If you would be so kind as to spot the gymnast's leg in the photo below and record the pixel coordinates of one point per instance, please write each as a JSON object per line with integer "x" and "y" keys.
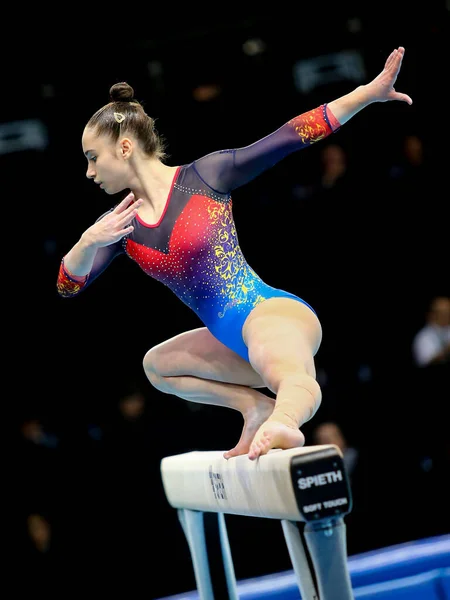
{"x": 282, "y": 336}
{"x": 195, "y": 366}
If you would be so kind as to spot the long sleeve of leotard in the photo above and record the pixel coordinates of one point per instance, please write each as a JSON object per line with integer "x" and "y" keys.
{"x": 226, "y": 170}
{"x": 69, "y": 285}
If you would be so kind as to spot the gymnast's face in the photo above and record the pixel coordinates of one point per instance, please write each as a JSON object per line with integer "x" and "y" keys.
{"x": 107, "y": 161}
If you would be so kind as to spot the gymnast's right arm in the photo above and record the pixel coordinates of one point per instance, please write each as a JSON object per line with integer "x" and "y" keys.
{"x": 95, "y": 249}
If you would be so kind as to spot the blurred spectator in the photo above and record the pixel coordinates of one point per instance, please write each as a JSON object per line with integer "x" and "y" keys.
{"x": 414, "y": 180}
{"x": 40, "y": 561}
{"x": 429, "y": 393}
{"x": 413, "y": 173}
{"x": 122, "y": 481}
{"x": 361, "y": 519}
{"x": 39, "y": 533}
{"x": 330, "y": 174}
{"x": 331, "y": 433}
{"x": 334, "y": 166}
{"x": 38, "y": 458}
{"x": 132, "y": 406}
{"x": 33, "y": 432}
{"x": 431, "y": 344}
{"x": 127, "y": 433}
{"x": 412, "y": 158}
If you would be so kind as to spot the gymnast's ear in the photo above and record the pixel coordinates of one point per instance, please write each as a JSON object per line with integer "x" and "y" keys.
{"x": 126, "y": 146}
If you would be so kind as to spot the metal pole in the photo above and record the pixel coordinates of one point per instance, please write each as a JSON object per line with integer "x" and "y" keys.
{"x": 194, "y": 530}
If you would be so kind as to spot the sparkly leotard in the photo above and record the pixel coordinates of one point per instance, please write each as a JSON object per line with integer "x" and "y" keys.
{"x": 194, "y": 248}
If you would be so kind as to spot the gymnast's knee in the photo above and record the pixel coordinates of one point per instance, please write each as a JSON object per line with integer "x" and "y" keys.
{"x": 152, "y": 371}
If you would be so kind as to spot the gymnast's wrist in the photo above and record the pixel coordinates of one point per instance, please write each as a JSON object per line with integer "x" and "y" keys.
{"x": 363, "y": 96}
{"x": 73, "y": 276}
{"x": 369, "y": 94}
{"x": 87, "y": 241}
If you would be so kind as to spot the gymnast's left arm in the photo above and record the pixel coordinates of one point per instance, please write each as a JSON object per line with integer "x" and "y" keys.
{"x": 228, "y": 169}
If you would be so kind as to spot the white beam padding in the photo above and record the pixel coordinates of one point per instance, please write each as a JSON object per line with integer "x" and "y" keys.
{"x": 299, "y": 484}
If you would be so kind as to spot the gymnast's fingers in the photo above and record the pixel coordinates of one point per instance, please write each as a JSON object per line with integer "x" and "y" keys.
{"x": 389, "y": 60}
{"x": 126, "y": 231}
{"x": 398, "y": 58}
{"x": 132, "y": 209}
{"x": 124, "y": 203}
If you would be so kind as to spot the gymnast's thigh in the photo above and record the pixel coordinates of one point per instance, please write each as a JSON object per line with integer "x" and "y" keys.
{"x": 283, "y": 336}
{"x": 197, "y": 353}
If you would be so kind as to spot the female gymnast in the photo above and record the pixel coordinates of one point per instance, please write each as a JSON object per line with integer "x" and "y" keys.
{"x": 177, "y": 224}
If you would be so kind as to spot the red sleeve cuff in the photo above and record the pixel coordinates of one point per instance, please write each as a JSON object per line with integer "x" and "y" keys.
{"x": 314, "y": 125}
{"x": 67, "y": 284}
{"x": 334, "y": 123}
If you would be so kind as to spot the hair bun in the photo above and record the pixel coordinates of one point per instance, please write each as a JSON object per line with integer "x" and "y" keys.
{"x": 121, "y": 92}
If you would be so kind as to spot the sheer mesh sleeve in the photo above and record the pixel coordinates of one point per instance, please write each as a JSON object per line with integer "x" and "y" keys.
{"x": 226, "y": 170}
{"x": 68, "y": 286}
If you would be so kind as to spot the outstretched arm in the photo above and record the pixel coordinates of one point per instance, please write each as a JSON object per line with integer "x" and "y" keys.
{"x": 380, "y": 89}
{"x": 227, "y": 170}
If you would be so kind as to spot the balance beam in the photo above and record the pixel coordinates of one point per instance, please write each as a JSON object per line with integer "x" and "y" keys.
{"x": 307, "y": 486}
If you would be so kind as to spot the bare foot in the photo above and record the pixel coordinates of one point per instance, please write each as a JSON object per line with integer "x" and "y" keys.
{"x": 253, "y": 419}
{"x": 274, "y": 435}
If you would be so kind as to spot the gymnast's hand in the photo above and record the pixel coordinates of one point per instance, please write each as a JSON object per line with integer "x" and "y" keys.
{"x": 114, "y": 225}
{"x": 381, "y": 89}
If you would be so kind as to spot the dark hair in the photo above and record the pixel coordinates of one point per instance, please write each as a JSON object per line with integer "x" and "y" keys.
{"x": 125, "y": 114}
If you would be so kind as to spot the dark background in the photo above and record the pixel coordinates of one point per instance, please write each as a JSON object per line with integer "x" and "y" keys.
{"x": 368, "y": 256}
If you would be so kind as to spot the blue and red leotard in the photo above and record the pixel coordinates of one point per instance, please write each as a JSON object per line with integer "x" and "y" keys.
{"x": 194, "y": 248}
